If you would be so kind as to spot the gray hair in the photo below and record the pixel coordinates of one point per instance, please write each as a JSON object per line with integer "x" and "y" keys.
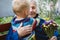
{"x": 35, "y": 3}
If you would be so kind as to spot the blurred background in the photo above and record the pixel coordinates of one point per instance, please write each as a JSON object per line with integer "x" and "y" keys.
{"x": 47, "y": 9}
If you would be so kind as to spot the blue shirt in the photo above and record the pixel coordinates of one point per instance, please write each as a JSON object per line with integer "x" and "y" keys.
{"x": 13, "y": 35}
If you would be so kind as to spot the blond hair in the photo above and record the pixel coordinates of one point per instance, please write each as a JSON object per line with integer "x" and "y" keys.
{"x": 20, "y": 5}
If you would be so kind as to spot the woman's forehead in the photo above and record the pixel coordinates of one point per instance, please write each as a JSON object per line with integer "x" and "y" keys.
{"x": 32, "y": 5}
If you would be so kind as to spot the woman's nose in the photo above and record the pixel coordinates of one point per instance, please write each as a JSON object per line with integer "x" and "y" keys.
{"x": 31, "y": 10}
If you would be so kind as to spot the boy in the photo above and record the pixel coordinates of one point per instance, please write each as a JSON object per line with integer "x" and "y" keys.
{"x": 21, "y": 9}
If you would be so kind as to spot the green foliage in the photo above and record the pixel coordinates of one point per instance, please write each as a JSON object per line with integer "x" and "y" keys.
{"x": 57, "y": 20}
{"x": 45, "y": 10}
{"x": 54, "y": 1}
{"x": 1, "y": 19}
{"x": 4, "y": 20}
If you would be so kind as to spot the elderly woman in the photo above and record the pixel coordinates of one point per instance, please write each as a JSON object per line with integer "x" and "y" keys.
{"x": 39, "y": 34}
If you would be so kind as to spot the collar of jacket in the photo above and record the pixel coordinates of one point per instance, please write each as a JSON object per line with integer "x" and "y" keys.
{"x": 19, "y": 21}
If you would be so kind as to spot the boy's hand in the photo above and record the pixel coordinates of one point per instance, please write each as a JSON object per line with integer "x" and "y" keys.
{"x": 53, "y": 38}
{"x": 23, "y": 31}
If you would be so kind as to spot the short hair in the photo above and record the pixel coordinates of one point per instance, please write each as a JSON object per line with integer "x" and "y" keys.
{"x": 19, "y": 5}
{"x": 34, "y": 2}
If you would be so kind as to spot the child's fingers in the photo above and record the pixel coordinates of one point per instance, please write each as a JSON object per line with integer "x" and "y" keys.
{"x": 28, "y": 32}
{"x": 28, "y": 27}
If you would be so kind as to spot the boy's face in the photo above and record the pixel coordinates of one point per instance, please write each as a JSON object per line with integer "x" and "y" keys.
{"x": 26, "y": 12}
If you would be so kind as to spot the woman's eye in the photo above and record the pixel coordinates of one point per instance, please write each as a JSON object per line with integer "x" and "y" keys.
{"x": 33, "y": 7}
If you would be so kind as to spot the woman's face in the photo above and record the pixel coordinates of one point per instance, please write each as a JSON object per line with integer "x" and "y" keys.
{"x": 33, "y": 9}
